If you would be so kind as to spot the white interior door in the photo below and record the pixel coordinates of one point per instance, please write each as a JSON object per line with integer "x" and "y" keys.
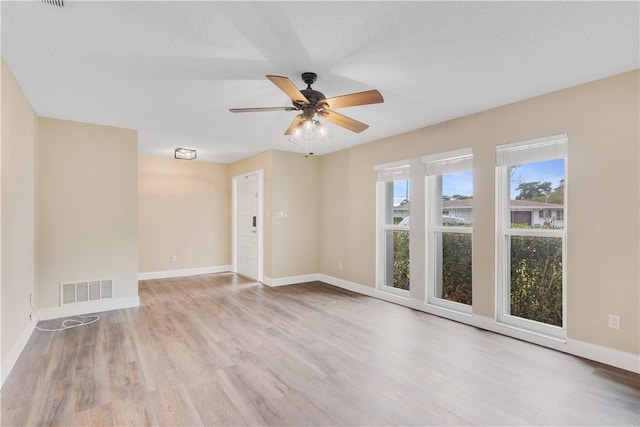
{"x": 248, "y": 225}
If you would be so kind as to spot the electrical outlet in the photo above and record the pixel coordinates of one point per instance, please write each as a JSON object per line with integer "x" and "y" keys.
{"x": 339, "y": 266}
{"x": 614, "y": 321}
{"x": 174, "y": 258}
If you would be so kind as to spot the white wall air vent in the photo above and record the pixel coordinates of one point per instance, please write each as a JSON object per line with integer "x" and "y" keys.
{"x": 85, "y": 291}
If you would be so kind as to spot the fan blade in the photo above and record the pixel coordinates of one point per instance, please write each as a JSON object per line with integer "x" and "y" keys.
{"x": 294, "y": 124}
{"x": 289, "y": 88}
{"x": 258, "y": 109}
{"x": 354, "y": 99}
{"x": 344, "y": 121}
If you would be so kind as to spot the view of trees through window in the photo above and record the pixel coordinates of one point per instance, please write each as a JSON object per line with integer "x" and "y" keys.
{"x": 456, "y": 267}
{"x": 536, "y": 189}
{"x": 401, "y": 273}
{"x": 453, "y": 247}
{"x": 536, "y": 278}
{"x": 398, "y": 273}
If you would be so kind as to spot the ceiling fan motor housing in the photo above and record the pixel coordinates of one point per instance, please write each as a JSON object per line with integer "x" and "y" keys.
{"x": 313, "y": 96}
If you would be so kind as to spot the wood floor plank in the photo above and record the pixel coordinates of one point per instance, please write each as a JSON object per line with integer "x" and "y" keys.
{"x": 253, "y": 408}
{"x": 173, "y": 407}
{"x": 130, "y": 413}
{"x": 214, "y": 406}
{"x": 96, "y": 416}
{"x": 219, "y": 349}
{"x": 288, "y": 412}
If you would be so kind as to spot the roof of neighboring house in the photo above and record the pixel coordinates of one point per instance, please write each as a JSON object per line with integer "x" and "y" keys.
{"x": 535, "y": 205}
{"x": 461, "y": 203}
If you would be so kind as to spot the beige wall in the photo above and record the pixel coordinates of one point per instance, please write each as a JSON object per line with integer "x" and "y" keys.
{"x": 296, "y": 191}
{"x": 87, "y": 207}
{"x": 183, "y": 210}
{"x": 601, "y": 119}
{"x": 18, "y": 153}
{"x": 347, "y": 219}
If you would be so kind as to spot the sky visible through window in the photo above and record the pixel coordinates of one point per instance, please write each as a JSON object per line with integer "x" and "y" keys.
{"x": 546, "y": 171}
{"x": 458, "y": 184}
{"x": 461, "y": 183}
{"x": 400, "y": 191}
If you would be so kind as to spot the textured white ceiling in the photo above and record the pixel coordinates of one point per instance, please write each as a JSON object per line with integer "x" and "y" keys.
{"x": 173, "y": 69}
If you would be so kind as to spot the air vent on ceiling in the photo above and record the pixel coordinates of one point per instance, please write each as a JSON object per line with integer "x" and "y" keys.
{"x": 59, "y": 3}
{"x": 85, "y": 291}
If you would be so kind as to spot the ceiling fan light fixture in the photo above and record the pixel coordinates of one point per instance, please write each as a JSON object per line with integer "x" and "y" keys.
{"x": 323, "y": 132}
{"x": 310, "y": 130}
{"x": 295, "y": 137}
{"x": 184, "y": 154}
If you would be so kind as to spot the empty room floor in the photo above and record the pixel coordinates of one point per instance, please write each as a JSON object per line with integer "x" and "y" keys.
{"x": 221, "y": 350}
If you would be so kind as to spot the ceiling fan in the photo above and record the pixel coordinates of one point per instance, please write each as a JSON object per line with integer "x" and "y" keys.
{"x": 311, "y": 103}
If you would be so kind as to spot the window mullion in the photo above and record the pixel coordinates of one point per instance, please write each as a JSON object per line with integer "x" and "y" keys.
{"x": 451, "y": 229}
{"x": 395, "y": 227}
{"x": 534, "y": 232}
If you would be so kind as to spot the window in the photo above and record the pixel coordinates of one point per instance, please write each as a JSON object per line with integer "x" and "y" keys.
{"x": 394, "y": 208}
{"x": 449, "y": 226}
{"x": 532, "y": 248}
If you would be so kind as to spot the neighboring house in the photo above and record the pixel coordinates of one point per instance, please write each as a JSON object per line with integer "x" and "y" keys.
{"x": 454, "y": 210}
{"x": 458, "y": 209}
{"x": 537, "y": 213}
{"x": 401, "y": 212}
{"x": 522, "y": 212}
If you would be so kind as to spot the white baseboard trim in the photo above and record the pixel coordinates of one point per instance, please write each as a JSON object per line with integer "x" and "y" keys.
{"x": 16, "y": 350}
{"x": 183, "y": 272}
{"x": 290, "y": 280}
{"x": 88, "y": 307}
{"x": 606, "y": 355}
{"x": 350, "y": 286}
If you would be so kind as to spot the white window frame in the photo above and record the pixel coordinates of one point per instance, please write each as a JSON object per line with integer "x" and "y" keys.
{"x": 507, "y": 155}
{"x": 435, "y": 166}
{"x": 386, "y": 173}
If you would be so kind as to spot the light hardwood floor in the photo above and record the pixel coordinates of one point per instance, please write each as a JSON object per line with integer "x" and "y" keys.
{"x": 221, "y": 350}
